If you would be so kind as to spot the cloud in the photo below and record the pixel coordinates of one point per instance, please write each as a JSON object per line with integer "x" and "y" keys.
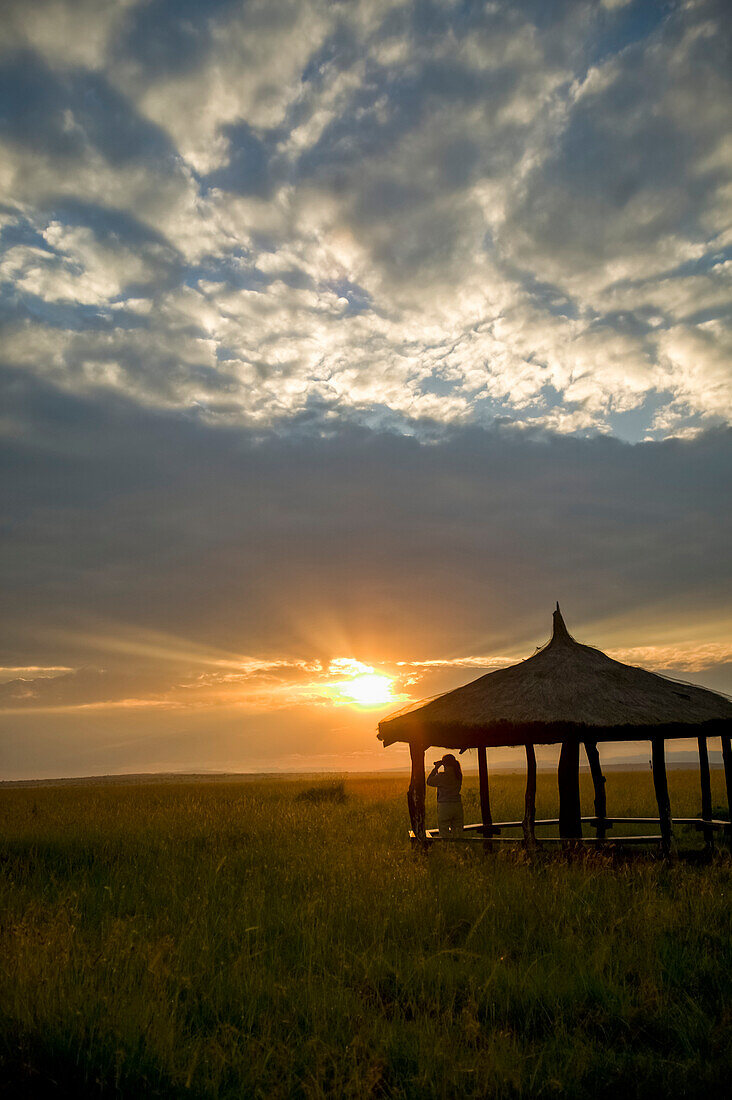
{"x": 66, "y": 32}
{"x": 359, "y": 542}
{"x": 218, "y": 66}
{"x": 410, "y": 214}
{"x": 697, "y": 359}
{"x": 682, "y": 658}
{"x": 75, "y": 266}
{"x": 30, "y": 672}
{"x": 624, "y": 191}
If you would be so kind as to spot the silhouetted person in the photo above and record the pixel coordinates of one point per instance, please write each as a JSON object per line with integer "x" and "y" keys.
{"x": 447, "y": 776}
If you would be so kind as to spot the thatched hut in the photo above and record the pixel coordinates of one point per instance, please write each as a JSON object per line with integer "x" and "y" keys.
{"x": 569, "y": 694}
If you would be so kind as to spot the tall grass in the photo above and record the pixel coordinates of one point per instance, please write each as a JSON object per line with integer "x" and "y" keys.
{"x": 242, "y": 940}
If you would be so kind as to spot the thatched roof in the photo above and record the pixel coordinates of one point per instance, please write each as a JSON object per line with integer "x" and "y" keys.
{"x": 564, "y": 690}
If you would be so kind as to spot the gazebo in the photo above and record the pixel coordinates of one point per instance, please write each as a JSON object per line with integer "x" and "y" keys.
{"x": 568, "y": 694}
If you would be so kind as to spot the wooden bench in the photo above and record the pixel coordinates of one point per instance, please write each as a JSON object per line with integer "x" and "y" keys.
{"x": 473, "y": 833}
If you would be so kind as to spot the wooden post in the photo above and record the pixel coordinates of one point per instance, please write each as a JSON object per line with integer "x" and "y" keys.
{"x": 530, "y": 801}
{"x": 706, "y": 792}
{"x": 727, "y": 758}
{"x": 598, "y": 782}
{"x": 416, "y": 793}
{"x": 485, "y": 798}
{"x": 570, "y": 813}
{"x": 660, "y": 783}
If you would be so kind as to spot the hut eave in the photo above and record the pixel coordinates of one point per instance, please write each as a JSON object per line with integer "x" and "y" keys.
{"x": 510, "y": 734}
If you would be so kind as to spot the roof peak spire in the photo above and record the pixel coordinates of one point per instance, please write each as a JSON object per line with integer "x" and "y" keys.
{"x": 560, "y": 632}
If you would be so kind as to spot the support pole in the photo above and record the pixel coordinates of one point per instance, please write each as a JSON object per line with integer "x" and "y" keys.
{"x": 485, "y": 798}
{"x": 727, "y": 758}
{"x": 530, "y": 801}
{"x": 706, "y": 793}
{"x": 570, "y": 813}
{"x": 416, "y": 793}
{"x": 598, "y": 782}
{"x": 660, "y": 783}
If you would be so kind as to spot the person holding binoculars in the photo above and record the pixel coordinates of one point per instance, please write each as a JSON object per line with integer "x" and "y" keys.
{"x": 447, "y": 777}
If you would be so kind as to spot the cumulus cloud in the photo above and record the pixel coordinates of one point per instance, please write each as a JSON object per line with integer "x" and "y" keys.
{"x": 75, "y": 266}
{"x": 67, "y": 32}
{"x": 449, "y": 214}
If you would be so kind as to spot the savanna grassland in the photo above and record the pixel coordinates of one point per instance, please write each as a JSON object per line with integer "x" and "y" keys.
{"x": 255, "y": 939}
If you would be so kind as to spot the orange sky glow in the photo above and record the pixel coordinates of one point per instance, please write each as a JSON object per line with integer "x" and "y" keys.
{"x": 321, "y": 713}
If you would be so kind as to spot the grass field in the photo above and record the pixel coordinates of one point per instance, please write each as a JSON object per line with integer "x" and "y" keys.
{"x": 253, "y": 940}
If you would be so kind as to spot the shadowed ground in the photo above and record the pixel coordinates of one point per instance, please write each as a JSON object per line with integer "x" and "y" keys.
{"x": 238, "y": 940}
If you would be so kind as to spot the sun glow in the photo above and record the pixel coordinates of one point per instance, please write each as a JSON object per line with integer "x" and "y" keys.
{"x": 365, "y": 687}
{"x": 370, "y": 690}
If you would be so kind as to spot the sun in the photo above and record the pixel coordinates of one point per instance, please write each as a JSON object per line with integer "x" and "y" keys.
{"x": 363, "y": 687}
{"x": 368, "y": 690}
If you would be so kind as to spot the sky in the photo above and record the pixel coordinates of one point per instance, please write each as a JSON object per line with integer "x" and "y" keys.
{"x": 339, "y": 341}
